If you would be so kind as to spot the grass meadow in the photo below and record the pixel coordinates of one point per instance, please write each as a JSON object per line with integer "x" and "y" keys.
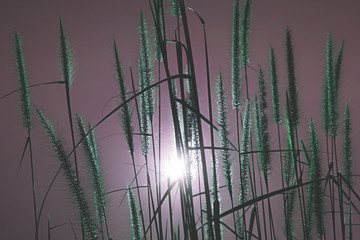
{"x": 185, "y": 146}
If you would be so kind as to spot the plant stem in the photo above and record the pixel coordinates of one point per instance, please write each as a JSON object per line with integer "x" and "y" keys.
{"x": 33, "y": 186}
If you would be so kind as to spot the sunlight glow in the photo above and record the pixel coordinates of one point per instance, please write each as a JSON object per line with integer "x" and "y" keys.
{"x": 175, "y": 168}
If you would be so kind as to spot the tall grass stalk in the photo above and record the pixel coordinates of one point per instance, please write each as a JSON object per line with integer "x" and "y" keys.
{"x": 148, "y": 104}
{"x": 67, "y": 71}
{"x": 126, "y": 117}
{"x": 158, "y": 58}
{"x": 224, "y": 140}
{"x": 196, "y": 105}
{"x": 216, "y": 203}
{"x": 24, "y": 92}
{"x": 276, "y": 113}
{"x": 294, "y": 119}
{"x": 262, "y": 140}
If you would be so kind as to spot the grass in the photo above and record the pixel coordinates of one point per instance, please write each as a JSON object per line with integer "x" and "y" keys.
{"x": 311, "y": 188}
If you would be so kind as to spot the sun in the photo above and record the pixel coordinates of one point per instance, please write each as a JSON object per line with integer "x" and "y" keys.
{"x": 175, "y": 168}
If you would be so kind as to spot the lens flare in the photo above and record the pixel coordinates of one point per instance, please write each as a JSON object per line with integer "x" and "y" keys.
{"x": 175, "y": 168}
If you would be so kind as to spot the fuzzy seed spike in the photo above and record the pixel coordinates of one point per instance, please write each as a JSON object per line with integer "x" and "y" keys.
{"x": 67, "y": 65}
{"x": 332, "y": 87}
{"x": 245, "y": 32}
{"x": 315, "y": 175}
{"x": 126, "y": 114}
{"x": 23, "y": 83}
{"x": 235, "y": 59}
{"x": 74, "y": 185}
{"x": 274, "y": 88}
{"x": 293, "y": 95}
{"x": 144, "y": 117}
{"x": 146, "y": 67}
{"x": 262, "y": 127}
{"x": 134, "y": 216}
{"x": 94, "y": 167}
{"x": 347, "y": 146}
{"x": 245, "y": 147}
{"x": 224, "y": 134}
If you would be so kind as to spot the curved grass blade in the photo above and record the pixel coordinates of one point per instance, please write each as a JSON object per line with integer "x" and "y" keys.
{"x": 27, "y": 115}
{"x": 22, "y": 155}
{"x": 31, "y": 86}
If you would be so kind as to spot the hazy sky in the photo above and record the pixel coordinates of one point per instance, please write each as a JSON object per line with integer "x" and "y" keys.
{"x": 91, "y": 27}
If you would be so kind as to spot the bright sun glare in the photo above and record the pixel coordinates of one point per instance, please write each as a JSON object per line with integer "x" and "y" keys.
{"x": 175, "y": 168}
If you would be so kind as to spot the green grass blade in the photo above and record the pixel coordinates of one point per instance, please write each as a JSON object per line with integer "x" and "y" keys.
{"x": 22, "y": 155}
